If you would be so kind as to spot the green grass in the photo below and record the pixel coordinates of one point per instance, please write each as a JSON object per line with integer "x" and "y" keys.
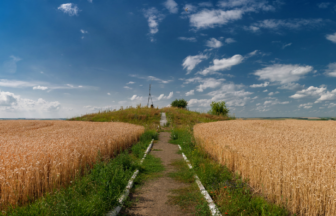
{"x": 96, "y": 192}
{"x": 147, "y": 117}
{"x": 232, "y": 195}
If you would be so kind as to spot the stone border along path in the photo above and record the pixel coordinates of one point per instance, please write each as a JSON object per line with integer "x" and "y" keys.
{"x": 122, "y": 198}
{"x": 152, "y": 198}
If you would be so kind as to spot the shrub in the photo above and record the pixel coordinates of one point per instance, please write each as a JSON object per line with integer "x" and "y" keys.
{"x": 179, "y": 103}
{"x": 218, "y": 108}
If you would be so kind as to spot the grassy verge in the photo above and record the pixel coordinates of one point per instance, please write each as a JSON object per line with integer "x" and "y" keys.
{"x": 96, "y": 192}
{"x": 229, "y": 192}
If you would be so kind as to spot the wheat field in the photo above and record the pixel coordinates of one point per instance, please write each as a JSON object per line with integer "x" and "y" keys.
{"x": 39, "y": 156}
{"x": 291, "y": 162}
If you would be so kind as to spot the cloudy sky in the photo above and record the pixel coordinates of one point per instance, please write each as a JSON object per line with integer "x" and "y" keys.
{"x": 263, "y": 58}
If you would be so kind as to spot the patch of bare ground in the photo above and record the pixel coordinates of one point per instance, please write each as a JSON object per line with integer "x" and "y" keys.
{"x": 153, "y": 198}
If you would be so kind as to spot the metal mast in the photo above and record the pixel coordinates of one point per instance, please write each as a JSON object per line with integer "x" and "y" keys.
{"x": 150, "y": 96}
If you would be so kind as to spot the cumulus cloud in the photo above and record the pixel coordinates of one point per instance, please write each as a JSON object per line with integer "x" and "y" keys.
{"x": 323, "y": 5}
{"x": 190, "y": 62}
{"x": 84, "y": 32}
{"x": 151, "y": 78}
{"x": 126, "y": 87}
{"x": 10, "y": 66}
{"x": 292, "y": 86}
{"x": 69, "y": 8}
{"x": 231, "y": 93}
{"x": 274, "y": 24}
{"x": 189, "y": 93}
{"x": 306, "y": 105}
{"x": 154, "y": 17}
{"x": 214, "y": 43}
{"x": 40, "y": 88}
{"x": 331, "y": 71}
{"x": 108, "y": 93}
{"x": 205, "y": 4}
{"x": 229, "y": 40}
{"x": 11, "y": 102}
{"x": 320, "y": 92}
{"x": 222, "y": 64}
{"x": 247, "y": 5}
{"x": 135, "y": 97}
{"x": 204, "y": 83}
{"x": 130, "y": 83}
{"x": 275, "y": 102}
{"x": 162, "y": 96}
{"x": 212, "y": 18}
{"x": 265, "y": 84}
{"x": 331, "y": 37}
{"x": 265, "y": 90}
{"x": 283, "y": 73}
{"x": 190, "y": 39}
{"x": 171, "y": 5}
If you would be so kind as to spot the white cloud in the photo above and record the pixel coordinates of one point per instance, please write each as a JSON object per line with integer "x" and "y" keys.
{"x": 90, "y": 1}
{"x": 130, "y": 83}
{"x": 80, "y": 86}
{"x": 171, "y": 5}
{"x": 286, "y": 45}
{"x": 69, "y": 8}
{"x": 40, "y": 87}
{"x": 166, "y": 97}
{"x": 11, "y": 102}
{"x": 292, "y": 86}
{"x": 84, "y": 32}
{"x": 15, "y": 83}
{"x": 108, "y": 93}
{"x": 271, "y": 93}
{"x": 265, "y": 84}
{"x": 265, "y": 90}
{"x": 191, "y": 9}
{"x": 191, "y": 39}
{"x": 275, "y": 102}
{"x": 312, "y": 91}
{"x": 154, "y": 17}
{"x": 331, "y": 37}
{"x": 306, "y": 105}
{"x": 205, "y": 4}
{"x": 189, "y": 93}
{"x": 289, "y": 23}
{"x": 190, "y": 62}
{"x": 331, "y": 71}
{"x": 247, "y": 5}
{"x": 126, "y": 87}
{"x": 10, "y": 66}
{"x": 214, "y": 43}
{"x": 135, "y": 97}
{"x": 205, "y": 83}
{"x": 283, "y": 73}
{"x": 222, "y": 64}
{"x": 212, "y": 18}
{"x": 323, "y": 4}
{"x": 332, "y": 105}
{"x": 150, "y": 78}
{"x": 229, "y": 40}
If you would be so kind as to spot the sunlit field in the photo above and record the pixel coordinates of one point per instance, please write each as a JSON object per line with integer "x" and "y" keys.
{"x": 291, "y": 162}
{"x": 39, "y": 156}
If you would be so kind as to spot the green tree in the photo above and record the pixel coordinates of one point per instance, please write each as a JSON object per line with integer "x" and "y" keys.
{"x": 218, "y": 108}
{"x": 179, "y": 103}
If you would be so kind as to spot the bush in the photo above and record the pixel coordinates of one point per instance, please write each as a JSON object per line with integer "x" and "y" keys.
{"x": 218, "y": 108}
{"x": 179, "y": 103}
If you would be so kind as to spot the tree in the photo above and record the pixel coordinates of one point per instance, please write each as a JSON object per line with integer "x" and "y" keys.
{"x": 179, "y": 103}
{"x": 218, "y": 108}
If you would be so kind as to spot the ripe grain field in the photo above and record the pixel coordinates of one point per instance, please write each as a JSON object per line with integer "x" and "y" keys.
{"x": 292, "y": 163}
{"x": 39, "y": 156}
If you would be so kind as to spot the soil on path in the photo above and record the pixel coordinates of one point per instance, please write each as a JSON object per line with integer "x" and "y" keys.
{"x": 152, "y": 197}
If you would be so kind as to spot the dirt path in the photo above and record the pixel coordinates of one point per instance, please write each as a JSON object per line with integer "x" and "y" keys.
{"x": 153, "y": 196}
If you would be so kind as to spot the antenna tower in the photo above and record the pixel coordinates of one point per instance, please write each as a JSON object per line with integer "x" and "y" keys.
{"x": 150, "y": 97}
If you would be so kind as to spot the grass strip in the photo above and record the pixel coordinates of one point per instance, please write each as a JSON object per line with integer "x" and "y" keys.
{"x": 232, "y": 195}
{"x": 95, "y": 193}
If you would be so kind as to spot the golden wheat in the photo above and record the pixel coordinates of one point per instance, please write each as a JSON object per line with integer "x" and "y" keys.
{"x": 38, "y": 156}
{"x": 291, "y": 162}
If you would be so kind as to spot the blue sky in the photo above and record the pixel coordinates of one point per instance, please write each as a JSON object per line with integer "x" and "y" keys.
{"x": 263, "y": 58}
